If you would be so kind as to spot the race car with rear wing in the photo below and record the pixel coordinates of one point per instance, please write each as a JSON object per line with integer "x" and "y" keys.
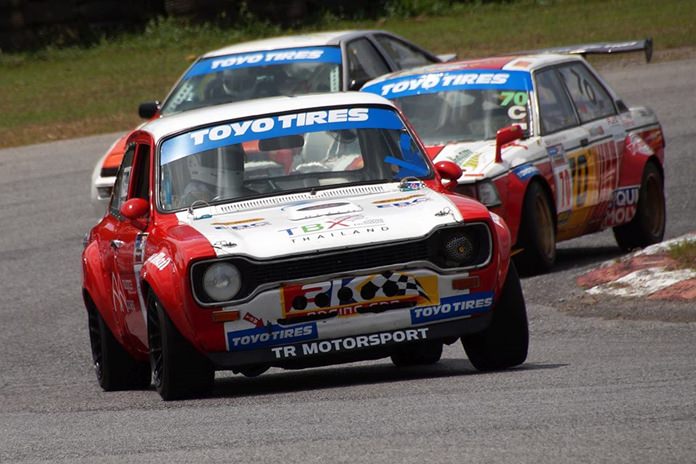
{"x": 289, "y": 65}
{"x": 294, "y": 232}
{"x": 544, "y": 142}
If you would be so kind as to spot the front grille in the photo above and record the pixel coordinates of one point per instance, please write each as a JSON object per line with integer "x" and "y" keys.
{"x": 256, "y": 273}
{"x": 312, "y": 266}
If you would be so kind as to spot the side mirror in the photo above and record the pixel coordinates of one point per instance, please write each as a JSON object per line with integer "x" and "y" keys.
{"x": 505, "y": 136}
{"x": 449, "y": 171}
{"x": 135, "y": 209}
{"x": 147, "y": 110}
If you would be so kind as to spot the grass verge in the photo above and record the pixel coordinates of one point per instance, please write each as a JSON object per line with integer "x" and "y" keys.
{"x": 65, "y": 93}
{"x": 684, "y": 253}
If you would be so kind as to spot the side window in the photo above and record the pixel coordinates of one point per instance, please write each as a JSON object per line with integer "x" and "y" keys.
{"x": 141, "y": 173}
{"x": 364, "y": 63}
{"x": 120, "y": 194}
{"x": 555, "y": 110}
{"x": 591, "y": 99}
{"x": 403, "y": 54}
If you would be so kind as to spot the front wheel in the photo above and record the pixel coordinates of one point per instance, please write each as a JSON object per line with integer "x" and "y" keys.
{"x": 179, "y": 371}
{"x": 648, "y": 225}
{"x": 115, "y": 368}
{"x": 537, "y": 234}
{"x": 505, "y": 342}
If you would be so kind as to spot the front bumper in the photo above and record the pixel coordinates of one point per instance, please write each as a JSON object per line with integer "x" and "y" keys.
{"x": 373, "y": 345}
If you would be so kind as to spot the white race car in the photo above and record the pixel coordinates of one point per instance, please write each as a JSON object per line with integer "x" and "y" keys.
{"x": 290, "y": 65}
{"x": 544, "y": 142}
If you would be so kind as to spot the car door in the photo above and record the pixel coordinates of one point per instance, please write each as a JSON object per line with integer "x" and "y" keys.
{"x": 566, "y": 143}
{"x": 598, "y": 116}
{"x": 363, "y": 62}
{"x": 128, "y": 245}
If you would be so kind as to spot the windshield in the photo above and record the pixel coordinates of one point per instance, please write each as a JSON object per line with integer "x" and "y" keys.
{"x": 231, "y": 78}
{"x": 460, "y": 106}
{"x": 284, "y": 153}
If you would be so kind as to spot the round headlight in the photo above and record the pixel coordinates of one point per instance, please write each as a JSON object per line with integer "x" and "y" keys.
{"x": 222, "y": 281}
{"x": 459, "y": 249}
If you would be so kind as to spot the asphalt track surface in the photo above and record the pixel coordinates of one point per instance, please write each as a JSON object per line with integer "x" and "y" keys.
{"x": 607, "y": 387}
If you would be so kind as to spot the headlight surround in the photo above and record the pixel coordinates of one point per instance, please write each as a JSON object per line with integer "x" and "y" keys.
{"x": 487, "y": 193}
{"x": 459, "y": 247}
{"x": 221, "y": 281}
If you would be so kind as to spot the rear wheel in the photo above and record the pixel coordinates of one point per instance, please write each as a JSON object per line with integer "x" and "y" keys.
{"x": 505, "y": 341}
{"x": 648, "y": 225}
{"x": 419, "y": 354}
{"x": 537, "y": 234}
{"x": 179, "y": 371}
{"x": 115, "y": 368}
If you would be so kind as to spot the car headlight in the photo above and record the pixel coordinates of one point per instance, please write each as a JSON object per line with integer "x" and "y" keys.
{"x": 222, "y": 281}
{"x": 459, "y": 249}
{"x": 488, "y": 193}
{"x": 462, "y": 246}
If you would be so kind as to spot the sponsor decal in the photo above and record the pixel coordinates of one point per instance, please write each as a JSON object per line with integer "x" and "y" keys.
{"x": 265, "y": 58}
{"x": 622, "y": 207}
{"x": 525, "y": 171}
{"x": 342, "y": 226}
{"x": 309, "y": 209}
{"x": 351, "y": 343}
{"x": 275, "y": 126}
{"x": 562, "y": 177}
{"x": 139, "y": 249}
{"x": 411, "y": 185}
{"x": 453, "y": 307}
{"x": 637, "y": 146}
{"x": 466, "y": 159}
{"x": 257, "y": 321}
{"x": 269, "y": 335}
{"x": 159, "y": 260}
{"x": 348, "y": 296}
{"x": 118, "y": 295}
{"x": 323, "y": 206}
{"x": 242, "y": 224}
{"x": 401, "y": 202}
{"x": 451, "y": 80}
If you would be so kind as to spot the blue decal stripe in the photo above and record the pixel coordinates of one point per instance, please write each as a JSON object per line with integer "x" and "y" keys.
{"x": 275, "y": 126}
{"x": 452, "y": 80}
{"x": 265, "y": 58}
{"x": 453, "y": 307}
{"x": 272, "y": 335}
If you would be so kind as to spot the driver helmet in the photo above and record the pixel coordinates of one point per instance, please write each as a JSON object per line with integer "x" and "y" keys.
{"x": 203, "y": 167}
{"x": 238, "y": 81}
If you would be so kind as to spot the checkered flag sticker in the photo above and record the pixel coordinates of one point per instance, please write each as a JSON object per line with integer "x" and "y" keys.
{"x": 393, "y": 284}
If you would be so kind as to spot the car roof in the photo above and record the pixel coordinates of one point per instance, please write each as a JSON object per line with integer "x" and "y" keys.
{"x": 162, "y": 127}
{"x": 527, "y": 63}
{"x": 316, "y": 39}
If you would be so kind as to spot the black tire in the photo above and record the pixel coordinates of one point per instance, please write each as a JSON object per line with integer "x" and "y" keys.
{"x": 179, "y": 371}
{"x": 505, "y": 341}
{"x": 419, "y": 354}
{"x": 115, "y": 368}
{"x": 648, "y": 225}
{"x": 537, "y": 235}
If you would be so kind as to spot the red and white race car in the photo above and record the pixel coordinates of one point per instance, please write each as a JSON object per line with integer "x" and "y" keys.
{"x": 544, "y": 142}
{"x": 289, "y": 65}
{"x": 292, "y": 232}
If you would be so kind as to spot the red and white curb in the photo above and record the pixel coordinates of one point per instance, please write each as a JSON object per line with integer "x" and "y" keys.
{"x": 649, "y": 273}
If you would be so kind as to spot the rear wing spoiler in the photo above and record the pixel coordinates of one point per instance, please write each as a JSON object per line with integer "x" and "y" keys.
{"x": 645, "y": 45}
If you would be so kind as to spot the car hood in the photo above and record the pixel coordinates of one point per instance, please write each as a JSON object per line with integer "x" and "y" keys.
{"x": 330, "y": 219}
{"x": 477, "y": 159}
